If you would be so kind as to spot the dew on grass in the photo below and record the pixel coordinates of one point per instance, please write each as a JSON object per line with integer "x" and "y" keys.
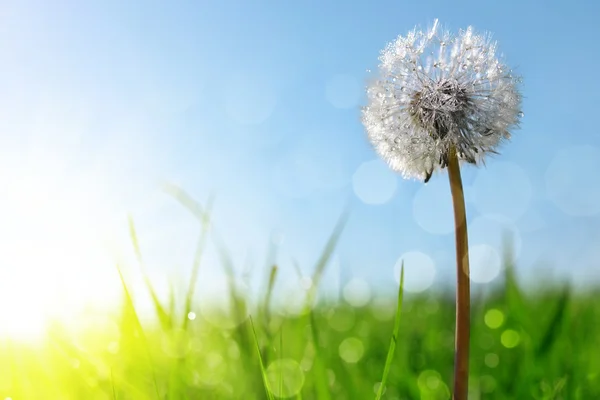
{"x": 191, "y": 315}
{"x": 351, "y": 350}
{"x": 285, "y": 377}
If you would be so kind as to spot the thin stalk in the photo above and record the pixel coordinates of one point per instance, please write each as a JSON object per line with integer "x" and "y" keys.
{"x": 394, "y": 339}
{"x": 463, "y": 291}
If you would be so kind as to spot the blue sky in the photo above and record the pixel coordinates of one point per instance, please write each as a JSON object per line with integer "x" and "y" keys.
{"x": 258, "y": 102}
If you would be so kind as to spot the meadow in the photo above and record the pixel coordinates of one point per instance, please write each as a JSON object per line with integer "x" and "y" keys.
{"x": 534, "y": 343}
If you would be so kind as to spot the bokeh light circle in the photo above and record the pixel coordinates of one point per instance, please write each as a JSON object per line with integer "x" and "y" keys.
{"x": 510, "y": 338}
{"x": 432, "y": 386}
{"x": 572, "y": 183}
{"x": 357, "y": 292}
{"x": 419, "y": 271}
{"x": 494, "y": 318}
{"x": 492, "y": 360}
{"x": 496, "y": 231}
{"x": 485, "y": 263}
{"x": 351, "y": 350}
{"x": 374, "y": 183}
{"x": 285, "y": 377}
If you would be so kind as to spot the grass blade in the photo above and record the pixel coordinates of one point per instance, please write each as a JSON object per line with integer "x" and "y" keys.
{"x": 260, "y": 361}
{"x": 325, "y": 256}
{"x": 200, "y": 246}
{"x": 554, "y": 327}
{"x": 163, "y": 316}
{"x": 321, "y": 380}
{"x": 392, "y": 348}
{"x": 138, "y": 324}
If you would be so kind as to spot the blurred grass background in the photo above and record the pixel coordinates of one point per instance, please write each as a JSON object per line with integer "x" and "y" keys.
{"x": 540, "y": 343}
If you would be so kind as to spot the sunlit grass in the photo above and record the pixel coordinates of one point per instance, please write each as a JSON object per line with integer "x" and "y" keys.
{"x": 540, "y": 345}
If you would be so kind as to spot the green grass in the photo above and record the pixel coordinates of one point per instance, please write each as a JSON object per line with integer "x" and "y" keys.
{"x": 541, "y": 344}
{"x": 547, "y": 348}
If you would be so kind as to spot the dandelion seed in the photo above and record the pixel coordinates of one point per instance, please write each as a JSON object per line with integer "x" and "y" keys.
{"x": 463, "y": 97}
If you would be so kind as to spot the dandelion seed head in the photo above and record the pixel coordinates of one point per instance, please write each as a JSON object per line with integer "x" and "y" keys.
{"x": 436, "y": 91}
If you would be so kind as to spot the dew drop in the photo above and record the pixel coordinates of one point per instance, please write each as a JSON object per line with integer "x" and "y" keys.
{"x": 464, "y": 66}
{"x": 521, "y": 114}
{"x": 406, "y": 126}
{"x": 404, "y": 89}
{"x": 397, "y": 140}
{"x": 442, "y": 43}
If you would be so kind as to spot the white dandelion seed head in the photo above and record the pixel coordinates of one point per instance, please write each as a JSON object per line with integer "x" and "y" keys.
{"x": 435, "y": 91}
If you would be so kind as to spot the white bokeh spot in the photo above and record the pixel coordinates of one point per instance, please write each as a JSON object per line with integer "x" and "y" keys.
{"x": 503, "y": 188}
{"x": 357, "y": 292}
{"x": 485, "y": 263}
{"x": 571, "y": 181}
{"x": 419, "y": 271}
{"x": 343, "y": 91}
{"x": 495, "y": 230}
{"x": 374, "y": 183}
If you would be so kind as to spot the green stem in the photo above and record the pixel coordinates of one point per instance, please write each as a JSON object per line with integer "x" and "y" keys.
{"x": 463, "y": 291}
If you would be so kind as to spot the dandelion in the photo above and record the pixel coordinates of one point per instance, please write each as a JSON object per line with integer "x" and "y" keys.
{"x": 439, "y": 100}
{"x": 437, "y": 92}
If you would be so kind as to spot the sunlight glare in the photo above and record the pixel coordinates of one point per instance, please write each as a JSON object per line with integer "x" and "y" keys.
{"x": 52, "y": 260}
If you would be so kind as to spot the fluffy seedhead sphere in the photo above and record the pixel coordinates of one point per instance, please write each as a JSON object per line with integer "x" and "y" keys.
{"x": 435, "y": 93}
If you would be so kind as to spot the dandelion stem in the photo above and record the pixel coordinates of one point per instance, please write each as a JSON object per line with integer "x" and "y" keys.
{"x": 463, "y": 291}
